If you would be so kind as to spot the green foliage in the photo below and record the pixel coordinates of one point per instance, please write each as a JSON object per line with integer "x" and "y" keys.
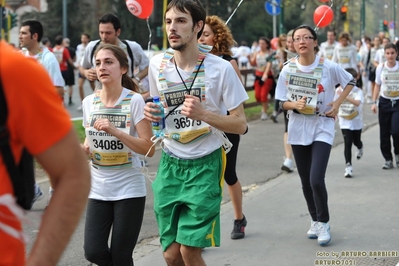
{"x": 249, "y": 22}
{"x": 77, "y": 125}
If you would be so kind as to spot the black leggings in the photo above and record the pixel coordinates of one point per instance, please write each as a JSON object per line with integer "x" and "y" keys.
{"x": 311, "y": 162}
{"x": 230, "y": 174}
{"x": 351, "y": 137}
{"x": 125, "y": 218}
{"x": 388, "y": 118}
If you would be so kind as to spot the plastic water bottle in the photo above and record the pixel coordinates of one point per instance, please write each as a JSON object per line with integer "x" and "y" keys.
{"x": 158, "y": 128}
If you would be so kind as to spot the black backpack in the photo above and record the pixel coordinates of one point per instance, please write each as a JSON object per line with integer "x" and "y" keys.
{"x": 129, "y": 51}
{"x": 22, "y": 175}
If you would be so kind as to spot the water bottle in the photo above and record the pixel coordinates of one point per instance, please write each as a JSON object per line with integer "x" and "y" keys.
{"x": 158, "y": 128}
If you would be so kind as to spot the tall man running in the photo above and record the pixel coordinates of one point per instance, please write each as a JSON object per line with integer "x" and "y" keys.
{"x": 196, "y": 88}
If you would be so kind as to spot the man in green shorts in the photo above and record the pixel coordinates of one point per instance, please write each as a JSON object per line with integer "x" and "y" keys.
{"x": 196, "y": 88}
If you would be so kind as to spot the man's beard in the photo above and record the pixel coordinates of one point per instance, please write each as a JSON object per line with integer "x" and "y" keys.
{"x": 179, "y": 47}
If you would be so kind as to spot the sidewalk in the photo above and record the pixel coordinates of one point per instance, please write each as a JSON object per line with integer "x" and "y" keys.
{"x": 364, "y": 219}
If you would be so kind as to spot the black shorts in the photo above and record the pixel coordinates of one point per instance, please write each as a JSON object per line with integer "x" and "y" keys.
{"x": 69, "y": 77}
{"x": 372, "y": 75}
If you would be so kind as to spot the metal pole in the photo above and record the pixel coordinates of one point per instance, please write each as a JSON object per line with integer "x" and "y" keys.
{"x": 346, "y": 23}
{"x": 394, "y": 18}
{"x": 64, "y": 19}
{"x": 281, "y": 17}
{"x": 363, "y": 15}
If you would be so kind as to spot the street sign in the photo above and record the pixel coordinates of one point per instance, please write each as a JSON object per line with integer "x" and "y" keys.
{"x": 272, "y": 7}
{"x": 391, "y": 24}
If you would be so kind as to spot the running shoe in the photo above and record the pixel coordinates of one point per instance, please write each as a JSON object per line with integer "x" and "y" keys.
{"x": 323, "y": 236}
{"x": 274, "y": 118}
{"x": 79, "y": 108}
{"x": 359, "y": 153}
{"x": 348, "y": 170}
{"x": 239, "y": 228}
{"x": 287, "y": 165}
{"x": 263, "y": 116}
{"x": 313, "y": 230}
{"x": 38, "y": 194}
{"x": 388, "y": 165}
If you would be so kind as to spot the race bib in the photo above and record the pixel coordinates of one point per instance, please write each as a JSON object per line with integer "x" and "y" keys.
{"x": 344, "y": 55}
{"x": 107, "y": 151}
{"x": 348, "y": 110}
{"x": 179, "y": 127}
{"x": 390, "y": 83}
{"x": 329, "y": 51}
{"x": 301, "y": 84}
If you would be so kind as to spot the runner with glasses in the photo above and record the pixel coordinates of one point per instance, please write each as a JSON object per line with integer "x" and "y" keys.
{"x": 306, "y": 88}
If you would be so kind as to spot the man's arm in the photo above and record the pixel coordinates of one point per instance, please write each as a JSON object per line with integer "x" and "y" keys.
{"x": 69, "y": 174}
{"x": 53, "y": 68}
{"x": 142, "y": 74}
{"x": 85, "y": 65}
{"x": 140, "y": 59}
{"x": 235, "y": 123}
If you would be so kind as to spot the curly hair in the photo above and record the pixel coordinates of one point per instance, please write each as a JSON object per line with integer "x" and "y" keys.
{"x": 223, "y": 40}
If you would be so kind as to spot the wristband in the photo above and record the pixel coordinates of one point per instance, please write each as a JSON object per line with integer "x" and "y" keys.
{"x": 374, "y": 102}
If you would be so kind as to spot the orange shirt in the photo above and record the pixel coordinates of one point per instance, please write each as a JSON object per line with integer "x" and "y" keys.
{"x": 36, "y": 120}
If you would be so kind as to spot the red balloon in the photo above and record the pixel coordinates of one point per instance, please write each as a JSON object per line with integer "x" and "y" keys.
{"x": 324, "y": 1}
{"x": 323, "y": 15}
{"x": 274, "y": 43}
{"x": 140, "y": 8}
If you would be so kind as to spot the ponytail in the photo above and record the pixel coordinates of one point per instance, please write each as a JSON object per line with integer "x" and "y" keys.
{"x": 128, "y": 83}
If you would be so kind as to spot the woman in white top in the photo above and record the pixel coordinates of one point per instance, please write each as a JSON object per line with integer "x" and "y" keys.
{"x": 116, "y": 132}
{"x": 306, "y": 88}
{"x": 345, "y": 53}
{"x": 350, "y": 117}
{"x": 387, "y": 92}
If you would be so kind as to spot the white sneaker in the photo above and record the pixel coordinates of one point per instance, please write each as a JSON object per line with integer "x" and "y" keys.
{"x": 79, "y": 108}
{"x": 288, "y": 165}
{"x": 323, "y": 236}
{"x": 314, "y": 228}
{"x": 38, "y": 194}
{"x": 348, "y": 170}
{"x": 263, "y": 116}
{"x": 359, "y": 153}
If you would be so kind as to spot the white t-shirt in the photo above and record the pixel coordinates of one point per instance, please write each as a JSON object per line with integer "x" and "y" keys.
{"x": 305, "y": 129}
{"x": 346, "y": 56}
{"x": 122, "y": 183}
{"x": 380, "y": 81}
{"x": 50, "y": 63}
{"x": 223, "y": 89}
{"x": 140, "y": 58}
{"x": 380, "y": 56}
{"x": 357, "y": 122}
{"x": 327, "y": 50}
{"x": 80, "y": 50}
{"x": 243, "y": 52}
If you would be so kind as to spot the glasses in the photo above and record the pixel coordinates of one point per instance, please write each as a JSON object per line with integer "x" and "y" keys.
{"x": 303, "y": 38}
